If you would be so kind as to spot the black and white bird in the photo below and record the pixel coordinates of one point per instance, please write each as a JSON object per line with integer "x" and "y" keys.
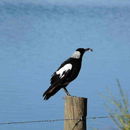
{"x": 66, "y": 73}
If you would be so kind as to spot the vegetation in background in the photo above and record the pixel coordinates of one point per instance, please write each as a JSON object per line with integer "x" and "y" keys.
{"x": 120, "y": 109}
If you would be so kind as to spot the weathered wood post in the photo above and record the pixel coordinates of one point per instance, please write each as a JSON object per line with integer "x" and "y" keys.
{"x": 75, "y": 112}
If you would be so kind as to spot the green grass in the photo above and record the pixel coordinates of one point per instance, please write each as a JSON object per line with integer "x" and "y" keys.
{"x": 118, "y": 108}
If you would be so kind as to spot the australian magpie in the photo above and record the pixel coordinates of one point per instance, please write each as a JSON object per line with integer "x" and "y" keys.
{"x": 66, "y": 73}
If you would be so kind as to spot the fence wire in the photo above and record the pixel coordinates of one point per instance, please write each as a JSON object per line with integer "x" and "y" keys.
{"x": 45, "y": 121}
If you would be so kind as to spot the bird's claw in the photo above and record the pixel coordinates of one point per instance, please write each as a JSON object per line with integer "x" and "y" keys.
{"x": 68, "y": 94}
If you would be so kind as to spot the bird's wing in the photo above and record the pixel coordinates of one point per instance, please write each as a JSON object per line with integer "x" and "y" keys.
{"x": 61, "y": 74}
{"x": 58, "y": 81}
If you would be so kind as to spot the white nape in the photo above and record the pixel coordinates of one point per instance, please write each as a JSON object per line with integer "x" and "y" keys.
{"x": 64, "y": 69}
{"x": 76, "y": 55}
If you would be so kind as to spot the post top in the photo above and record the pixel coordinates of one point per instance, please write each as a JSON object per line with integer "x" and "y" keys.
{"x": 75, "y": 97}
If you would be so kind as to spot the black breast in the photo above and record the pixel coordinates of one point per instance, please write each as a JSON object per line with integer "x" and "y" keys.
{"x": 76, "y": 66}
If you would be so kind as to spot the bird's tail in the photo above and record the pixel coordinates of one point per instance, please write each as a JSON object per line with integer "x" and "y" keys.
{"x": 50, "y": 91}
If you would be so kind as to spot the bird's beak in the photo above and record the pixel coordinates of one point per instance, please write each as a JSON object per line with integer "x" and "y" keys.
{"x": 88, "y": 49}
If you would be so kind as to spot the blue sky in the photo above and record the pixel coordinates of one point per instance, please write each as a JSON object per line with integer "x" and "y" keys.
{"x": 34, "y": 42}
{"x": 74, "y": 2}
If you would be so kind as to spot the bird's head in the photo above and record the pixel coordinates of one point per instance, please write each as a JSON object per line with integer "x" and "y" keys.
{"x": 79, "y": 52}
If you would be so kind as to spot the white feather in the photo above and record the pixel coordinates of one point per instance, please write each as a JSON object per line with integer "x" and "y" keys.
{"x": 76, "y": 55}
{"x": 65, "y": 68}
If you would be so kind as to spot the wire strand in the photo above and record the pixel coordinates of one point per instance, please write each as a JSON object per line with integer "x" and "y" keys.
{"x": 45, "y": 121}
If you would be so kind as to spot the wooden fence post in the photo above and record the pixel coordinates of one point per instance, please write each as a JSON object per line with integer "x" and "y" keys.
{"x": 75, "y": 112}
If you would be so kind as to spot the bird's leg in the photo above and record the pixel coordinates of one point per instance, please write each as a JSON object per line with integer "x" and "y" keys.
{"x": 66, "y": 91}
